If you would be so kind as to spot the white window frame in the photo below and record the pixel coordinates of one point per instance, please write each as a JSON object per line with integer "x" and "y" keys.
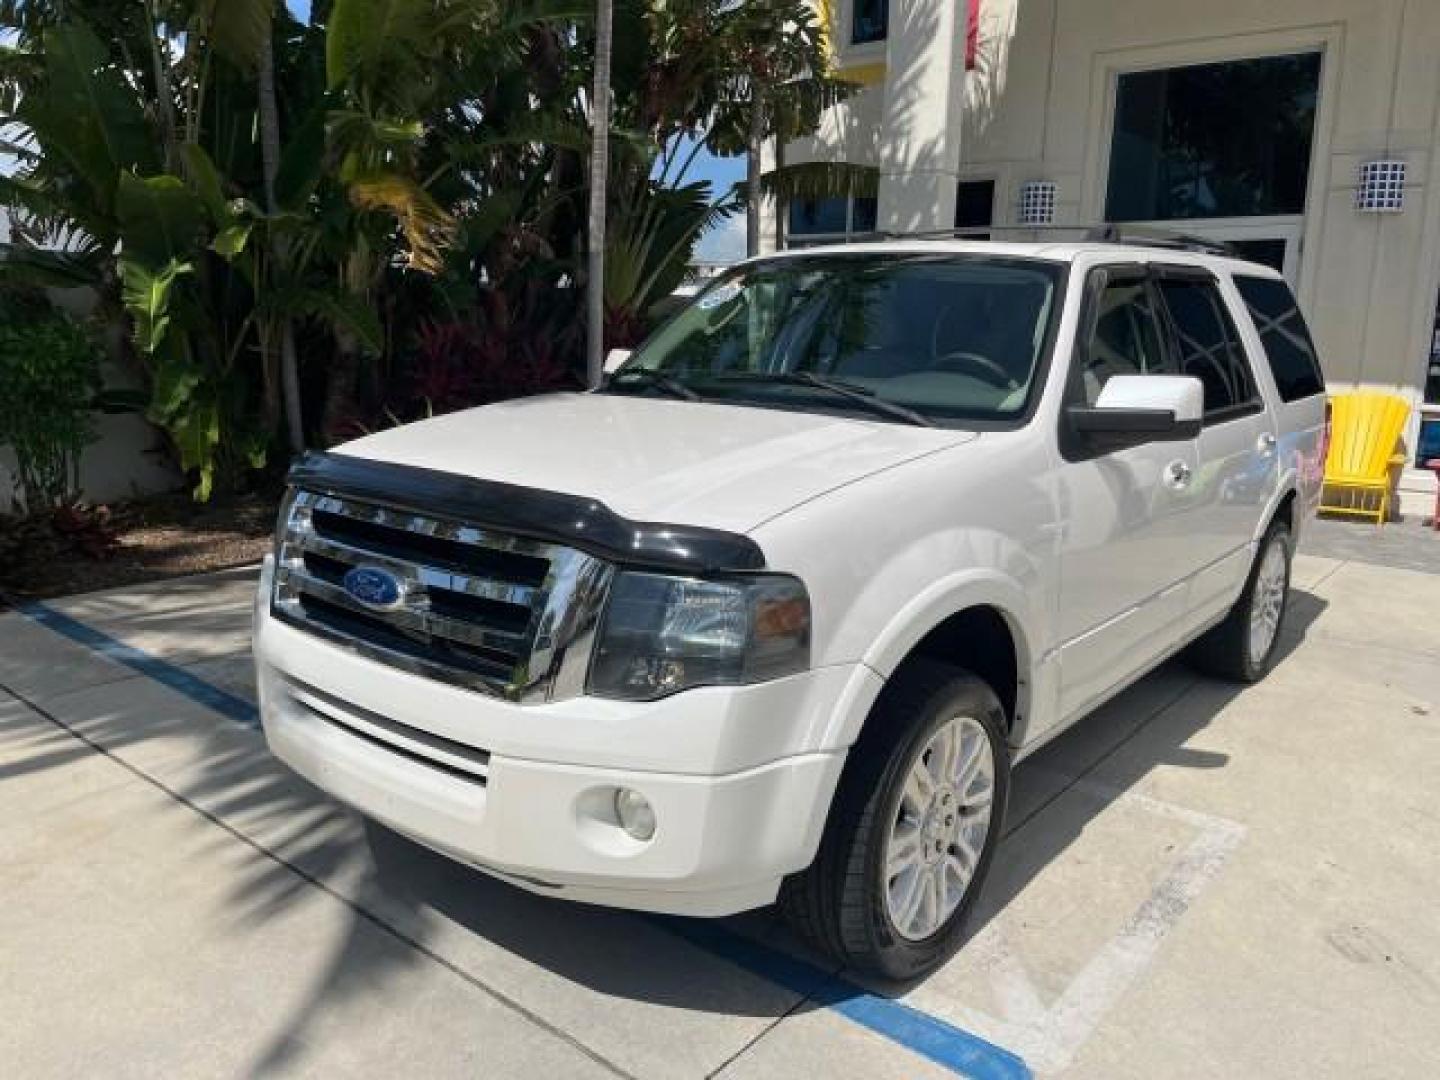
{"x": 1108, "y": 65}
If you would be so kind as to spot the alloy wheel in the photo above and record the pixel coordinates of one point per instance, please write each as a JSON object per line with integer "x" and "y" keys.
{"x": 1267, "y": 605}
{"x": 940, "y": 828}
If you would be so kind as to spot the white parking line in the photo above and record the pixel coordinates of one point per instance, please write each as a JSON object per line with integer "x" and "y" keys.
{"x": 1049, "y": 1037}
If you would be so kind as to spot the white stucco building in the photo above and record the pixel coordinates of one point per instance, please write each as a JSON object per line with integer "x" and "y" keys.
{"x": 1237, "y": 120}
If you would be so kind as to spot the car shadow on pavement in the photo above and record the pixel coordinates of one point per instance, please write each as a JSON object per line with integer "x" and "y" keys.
{"x": 1148, "y": 727}
{"x": 615, "y": 953}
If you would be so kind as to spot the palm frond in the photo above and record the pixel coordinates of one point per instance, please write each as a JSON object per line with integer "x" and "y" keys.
{"x": 362, "y": 33}
{"x": 821, "y": 180}
{"x": 427, "y": 227}
{"x": 32, "y": 267}
{"x": 238, "y": 28}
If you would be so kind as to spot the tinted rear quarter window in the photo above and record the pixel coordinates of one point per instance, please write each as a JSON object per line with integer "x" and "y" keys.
{"x": 1207, "y": 344}
{"x": 1284, "y": 335}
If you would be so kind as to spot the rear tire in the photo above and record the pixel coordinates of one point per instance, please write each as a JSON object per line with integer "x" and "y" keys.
{"x": 1242, "y": 647}
{"x": 903, "y": 858}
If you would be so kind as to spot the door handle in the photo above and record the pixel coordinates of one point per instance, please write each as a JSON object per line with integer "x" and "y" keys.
{"x": 1177, "y": 475}
{"x": 1266, "y": 444}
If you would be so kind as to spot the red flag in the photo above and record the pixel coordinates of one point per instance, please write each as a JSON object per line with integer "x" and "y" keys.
{"x": 972, "y": 33}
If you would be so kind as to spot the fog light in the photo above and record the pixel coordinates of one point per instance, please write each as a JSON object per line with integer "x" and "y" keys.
{"x": 637, "y": 816}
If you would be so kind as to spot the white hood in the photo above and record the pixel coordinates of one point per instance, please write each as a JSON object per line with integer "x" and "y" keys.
{"x": 651, "y": 459}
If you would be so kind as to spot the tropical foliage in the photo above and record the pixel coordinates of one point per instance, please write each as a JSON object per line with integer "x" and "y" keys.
{"x": 50, "y": 372}
{"x": 309, "y": 228}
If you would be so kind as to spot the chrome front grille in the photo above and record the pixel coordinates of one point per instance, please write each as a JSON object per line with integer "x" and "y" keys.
{"x": 486, "y": 610}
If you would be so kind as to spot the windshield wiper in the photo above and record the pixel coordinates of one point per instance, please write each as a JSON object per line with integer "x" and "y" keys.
{"x": 858, "y": 394}
{"x": 658, "y": 379}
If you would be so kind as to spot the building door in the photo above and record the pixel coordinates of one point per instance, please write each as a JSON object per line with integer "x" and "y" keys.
{"x": 1271, "y": 241}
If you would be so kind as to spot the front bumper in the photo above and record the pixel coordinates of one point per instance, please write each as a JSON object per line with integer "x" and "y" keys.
{"x": 739, "y": 797}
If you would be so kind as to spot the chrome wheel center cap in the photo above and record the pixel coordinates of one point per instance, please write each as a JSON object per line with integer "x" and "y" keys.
{"x": 939, "y": 827}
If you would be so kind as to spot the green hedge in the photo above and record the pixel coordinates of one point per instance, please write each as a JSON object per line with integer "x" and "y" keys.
{"x": 49, "y": 378}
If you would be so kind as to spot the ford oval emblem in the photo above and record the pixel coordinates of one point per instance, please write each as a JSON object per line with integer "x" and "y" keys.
{"x": 373, "y": 587}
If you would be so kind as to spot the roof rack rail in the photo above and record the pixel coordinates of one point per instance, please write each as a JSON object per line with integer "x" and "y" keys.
{"x": 1158, "y": 238}
{"x": 1138, "y": 236}
{"x": 980, "y": 232}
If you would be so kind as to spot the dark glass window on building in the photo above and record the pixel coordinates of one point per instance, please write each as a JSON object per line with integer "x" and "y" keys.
{"x": 975, "y": 206}
{"x": 870, "y": 20}
{"x": 1213, "y": 140}
{"x": 1208, "y": 346}
{"x": 864, "y": 213}
{"x": 809, "y": 216}
{"x": 836, "y": 216}
{"x": 1267, "y": 252}
{"x": 1284, "y": 335}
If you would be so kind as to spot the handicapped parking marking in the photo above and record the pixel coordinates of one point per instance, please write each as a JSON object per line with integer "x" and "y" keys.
{"x": 1049, "y": 1036}
{"x": 951, "y": 1047}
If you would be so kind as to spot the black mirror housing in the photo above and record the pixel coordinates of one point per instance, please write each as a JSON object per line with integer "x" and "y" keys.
{"x": 1118, "y": 429}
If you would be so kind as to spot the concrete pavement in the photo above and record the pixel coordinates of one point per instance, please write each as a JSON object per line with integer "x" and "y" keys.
{"x": 1197, "y": 881}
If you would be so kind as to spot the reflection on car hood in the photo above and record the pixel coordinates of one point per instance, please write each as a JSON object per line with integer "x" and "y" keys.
{"x": 651, "y": 459}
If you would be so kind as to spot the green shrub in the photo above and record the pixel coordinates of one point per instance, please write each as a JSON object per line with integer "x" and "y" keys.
{"x": 49, "y": 376}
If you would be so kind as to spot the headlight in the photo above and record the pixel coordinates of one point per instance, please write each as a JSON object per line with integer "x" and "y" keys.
{"x": 664, "y": 634}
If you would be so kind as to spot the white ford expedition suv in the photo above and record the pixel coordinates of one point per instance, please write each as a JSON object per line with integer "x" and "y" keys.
{"x": 774, "y": 612}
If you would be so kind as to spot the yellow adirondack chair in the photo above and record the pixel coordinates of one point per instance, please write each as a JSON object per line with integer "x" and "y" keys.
{"x": 1365, "y": 428}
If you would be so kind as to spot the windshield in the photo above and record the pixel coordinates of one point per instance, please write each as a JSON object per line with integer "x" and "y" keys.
{"x": 945, "y": 336}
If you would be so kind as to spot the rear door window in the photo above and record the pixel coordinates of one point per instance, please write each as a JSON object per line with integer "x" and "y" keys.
{"x": 1208, "y": 347}
{"x": 1289, "y": 349}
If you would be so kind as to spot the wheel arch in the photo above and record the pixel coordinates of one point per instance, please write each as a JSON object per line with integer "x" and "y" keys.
{"x": 1282, "y": 504}
{"x": 982, "y": 625}
{"x": 1282, "y": 508}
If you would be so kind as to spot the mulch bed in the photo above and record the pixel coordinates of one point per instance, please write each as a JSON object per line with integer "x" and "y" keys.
{"x": 128, "y": 543}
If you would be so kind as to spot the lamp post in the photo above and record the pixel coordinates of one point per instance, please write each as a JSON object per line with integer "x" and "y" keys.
{"x": 599, "y": 168}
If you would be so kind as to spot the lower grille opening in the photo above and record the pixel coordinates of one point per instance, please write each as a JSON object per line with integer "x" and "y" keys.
{"x": 403, "y": 751}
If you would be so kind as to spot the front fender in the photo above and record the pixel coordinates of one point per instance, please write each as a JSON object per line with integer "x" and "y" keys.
{"x": 917, "y": 618}
{"x": 888, "y": 559}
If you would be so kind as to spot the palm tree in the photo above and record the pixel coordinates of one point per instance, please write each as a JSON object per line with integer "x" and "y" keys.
{"x": 778, "y": 88}
{"x": 269, "y": 115}
{"x": 599, "y": 169}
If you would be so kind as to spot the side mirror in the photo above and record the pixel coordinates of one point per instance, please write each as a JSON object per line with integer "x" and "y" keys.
{"x": 615, "y": 360}
{"x": 1133, "y": 410}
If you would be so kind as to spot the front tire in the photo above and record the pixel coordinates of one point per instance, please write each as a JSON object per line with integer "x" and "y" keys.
{"x": 913, "y": 828}
{"x": 1242, "y": 647}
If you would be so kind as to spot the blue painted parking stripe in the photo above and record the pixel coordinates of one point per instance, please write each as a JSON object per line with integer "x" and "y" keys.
{"x": 930, "y": 1037}
{"x": 162, "y": 671}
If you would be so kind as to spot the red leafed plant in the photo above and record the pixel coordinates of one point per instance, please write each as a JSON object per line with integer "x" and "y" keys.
{"x": 87, "y": 529}
{"x": 459, "y": 364}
